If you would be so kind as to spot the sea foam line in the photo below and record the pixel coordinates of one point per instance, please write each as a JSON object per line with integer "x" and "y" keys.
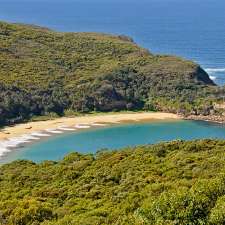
{"x": 30, "y": 137}
{"x": 54, "y": 131}
{"x": 212, "y": 77}
{"x": 66, "y": 128}
{"x": 39, "y": 134}
{"x": 215, "y": 70}
{"x": 3, "y": 150}
{"x": 81, "y": 126}
{"x": 99, "y": 124}
{"x": 212, "y": 72}
{"x": 7, "y": 145}
{"x": 11, "y": 143}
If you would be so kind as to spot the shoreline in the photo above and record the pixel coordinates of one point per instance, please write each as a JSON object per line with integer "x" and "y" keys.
{"x": 36, "y": 126}
{"x": 11, "y": 137}
{"x": 211, "y": 119}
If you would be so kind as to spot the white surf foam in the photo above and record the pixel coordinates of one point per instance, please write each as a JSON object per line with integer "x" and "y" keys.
{"x": 14, "y": 142}
{"x": 69, "y": 129}
{"x": 29, "y": 137}
{"x": 7, "y": 145}
{"x": 99, "y": 124}
{"x": 82, "y": 126}
{"x": 39, "y": 134}
{"x": 66, "y": 128}
{"x": 3, "y": 149}
{"x": 54, "y": 131}
{"x": 212, "y": 77}
{"x": 215, "y": 70}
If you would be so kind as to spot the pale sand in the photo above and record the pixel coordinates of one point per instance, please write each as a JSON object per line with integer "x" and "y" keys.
{"x": 30, "y": 127}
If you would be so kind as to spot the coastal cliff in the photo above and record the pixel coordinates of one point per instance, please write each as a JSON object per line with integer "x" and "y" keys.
{"x": 44, "y": 72}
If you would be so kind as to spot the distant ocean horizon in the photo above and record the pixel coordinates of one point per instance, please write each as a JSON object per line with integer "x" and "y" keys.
{"x": 193, "y": 29}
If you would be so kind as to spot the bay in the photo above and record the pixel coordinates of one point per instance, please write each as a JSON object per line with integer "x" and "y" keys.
{"x": 115, "y": 137}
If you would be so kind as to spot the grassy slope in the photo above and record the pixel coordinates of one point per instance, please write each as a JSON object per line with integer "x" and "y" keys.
{"x": 44, "y": 71}
{"x": 33, "y": 57}
{"x": 169, "y": 183}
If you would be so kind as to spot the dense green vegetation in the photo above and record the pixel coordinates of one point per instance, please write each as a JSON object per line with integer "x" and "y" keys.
{"x": 42, "y": 72}
{"x": 169, "y": 183}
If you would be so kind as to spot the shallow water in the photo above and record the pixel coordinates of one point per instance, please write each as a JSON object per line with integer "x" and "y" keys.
{"x": 114, "y": 137}
{"x": 193, "y": 29}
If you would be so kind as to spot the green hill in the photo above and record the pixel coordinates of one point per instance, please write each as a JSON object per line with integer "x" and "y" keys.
{"x": 43, "y": 71}
{"x": 164, "y": 184}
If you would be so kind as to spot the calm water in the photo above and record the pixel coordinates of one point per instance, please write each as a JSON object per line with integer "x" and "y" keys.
{"x": 114, "y": 137}
{"x": 194, "y": 29}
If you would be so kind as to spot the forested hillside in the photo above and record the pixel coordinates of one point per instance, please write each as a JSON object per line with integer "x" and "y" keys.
{"x": 164, "y": 184}
{"x": 43, "y": 71}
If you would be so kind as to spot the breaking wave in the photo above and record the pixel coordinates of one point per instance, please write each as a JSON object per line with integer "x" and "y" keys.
{"x": 215, "y": 70}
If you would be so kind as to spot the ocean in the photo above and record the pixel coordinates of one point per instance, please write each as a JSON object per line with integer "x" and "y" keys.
{"x": 193, "y": 29}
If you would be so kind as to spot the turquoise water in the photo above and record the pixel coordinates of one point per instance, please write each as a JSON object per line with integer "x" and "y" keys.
{"x": 194, "y": 29}
{"x": 114, "y": 137}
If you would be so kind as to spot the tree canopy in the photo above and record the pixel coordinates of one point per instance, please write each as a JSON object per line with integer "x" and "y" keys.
{"x": 44, "y": 72}
{"x": 179, "y": 182}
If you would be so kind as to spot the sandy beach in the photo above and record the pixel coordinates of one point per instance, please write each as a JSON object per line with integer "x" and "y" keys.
{"x": 12, "y": 137}
{"x": 30, "y": 127}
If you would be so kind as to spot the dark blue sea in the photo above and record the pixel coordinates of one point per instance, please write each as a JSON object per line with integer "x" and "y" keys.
{"x": 194, "y": 29}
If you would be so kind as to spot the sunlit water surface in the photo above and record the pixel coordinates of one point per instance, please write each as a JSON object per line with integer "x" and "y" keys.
{"x": 115, "y": 137}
